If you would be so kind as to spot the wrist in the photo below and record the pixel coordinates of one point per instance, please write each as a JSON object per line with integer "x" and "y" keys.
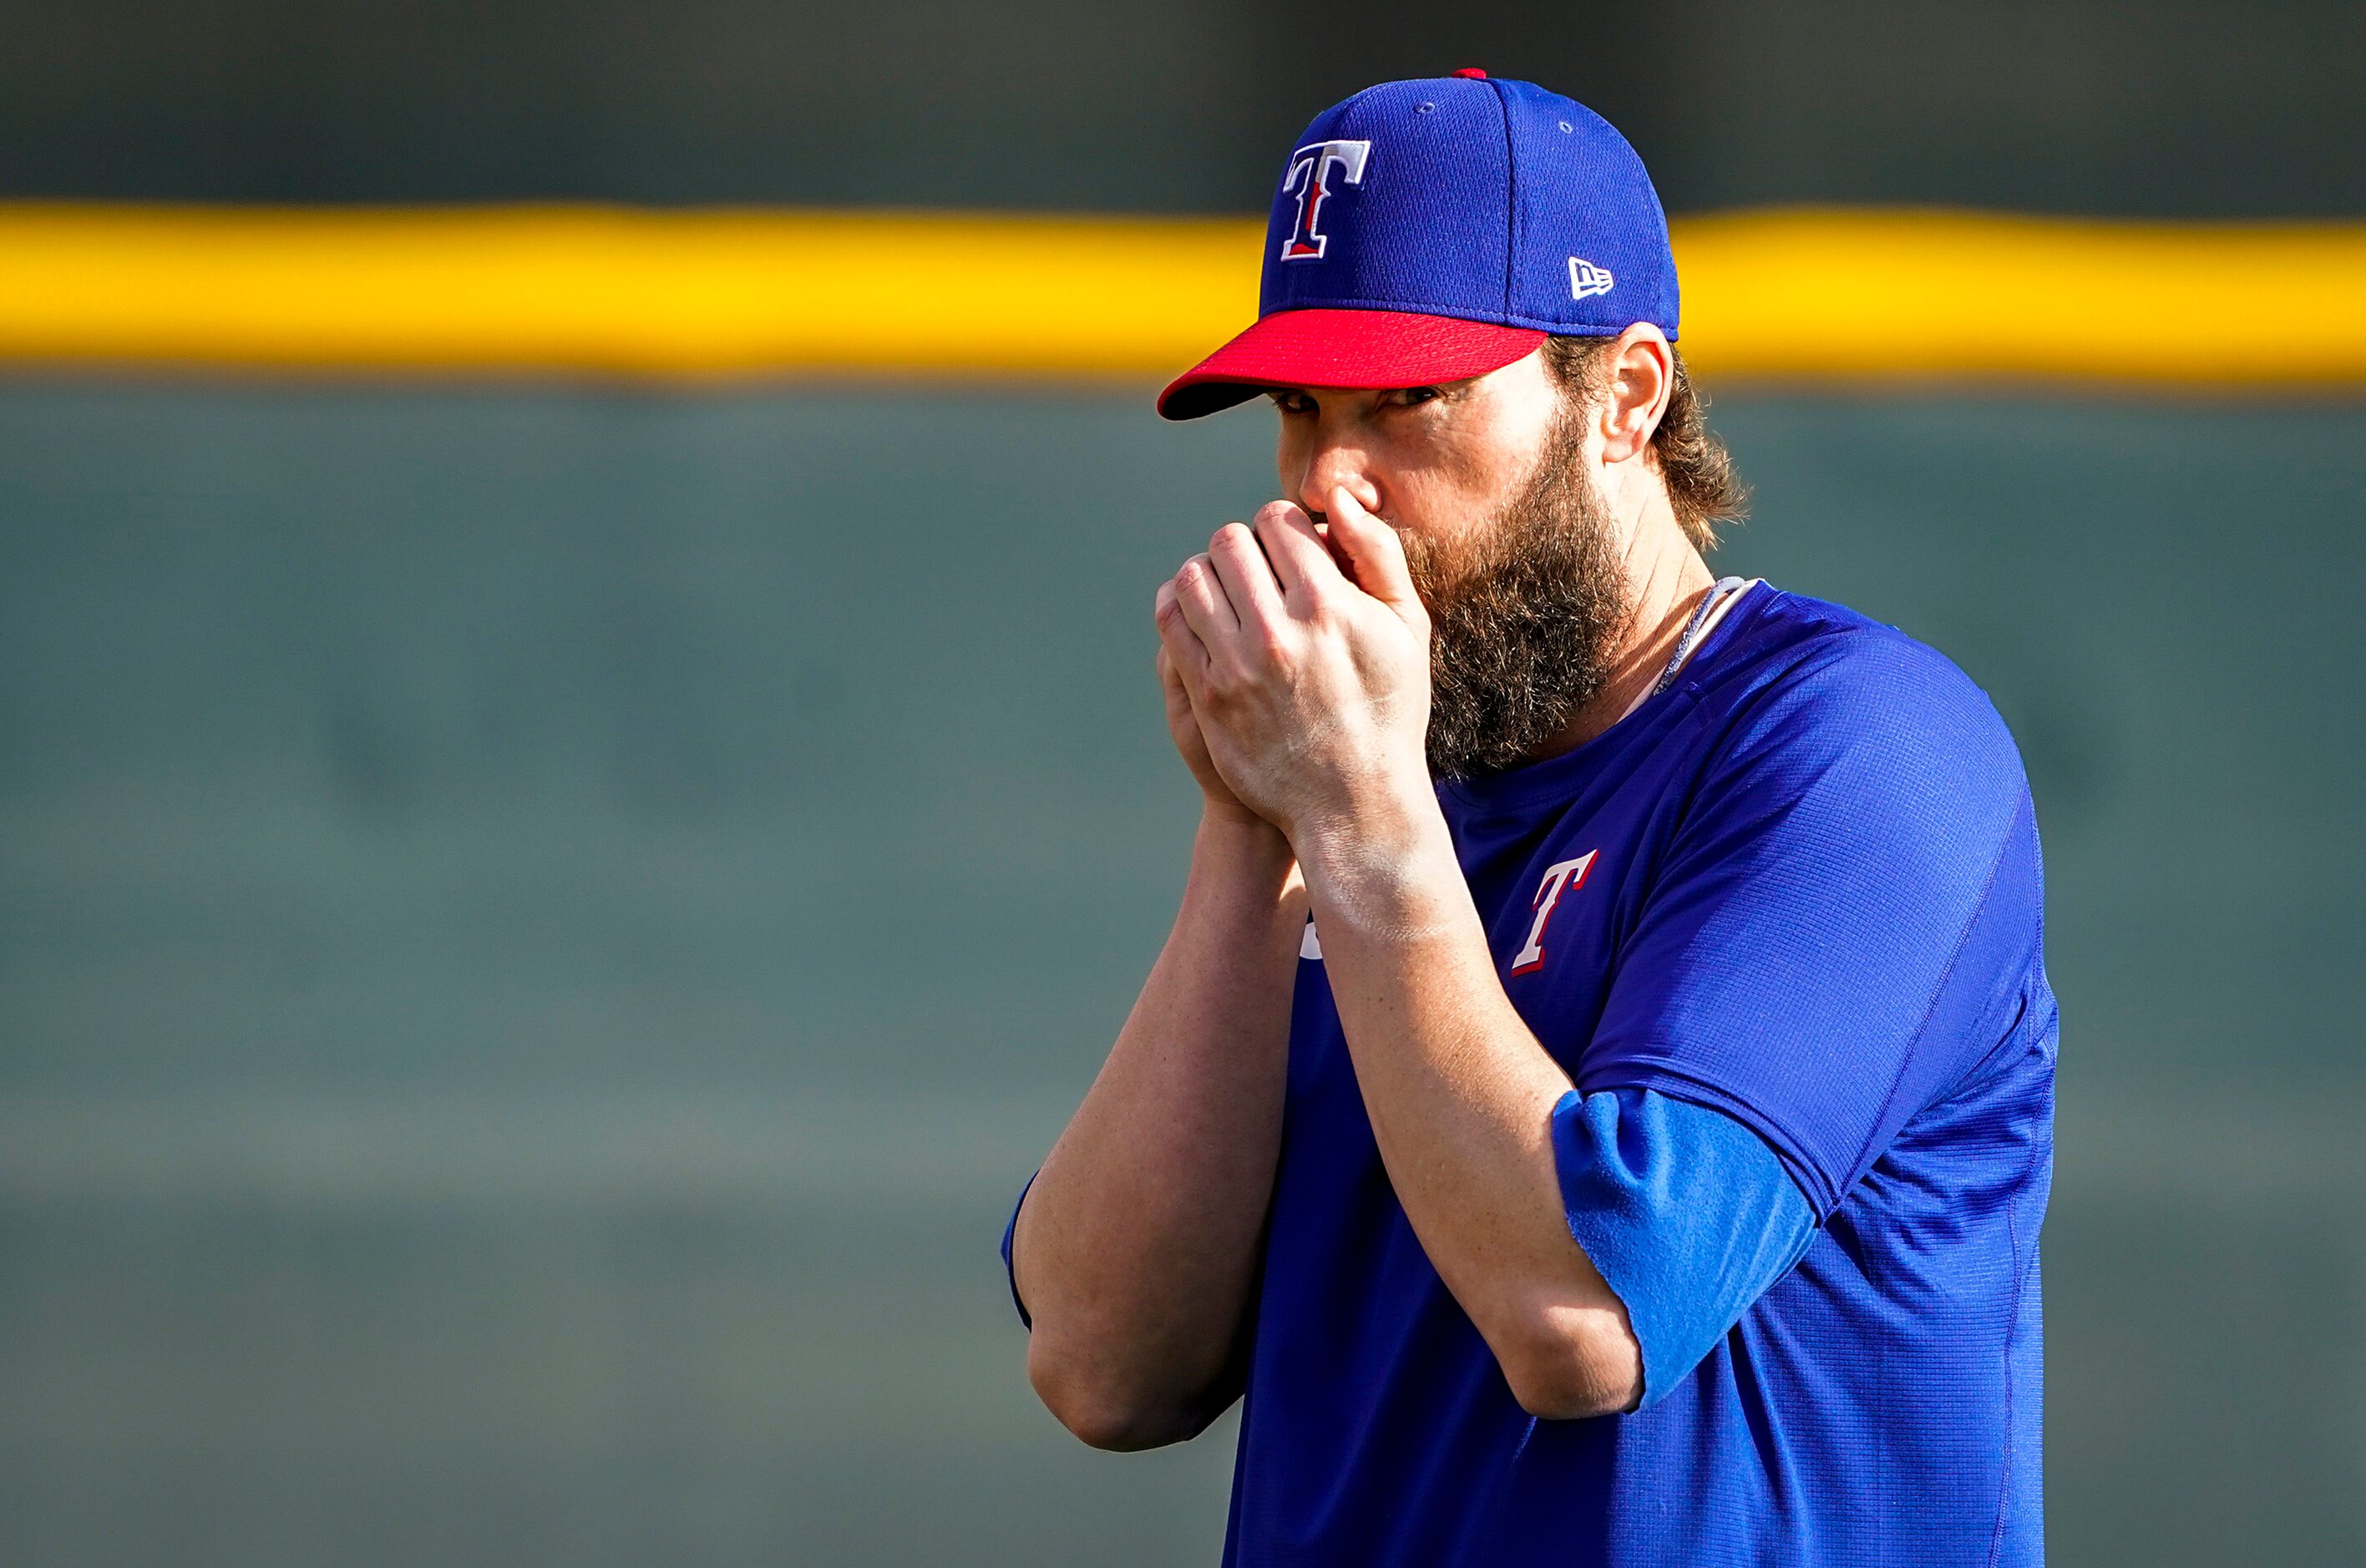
{"x": 1235, "y": 836}
{"x": 1389, "y": 864}
{"x": 1243, "y": 869}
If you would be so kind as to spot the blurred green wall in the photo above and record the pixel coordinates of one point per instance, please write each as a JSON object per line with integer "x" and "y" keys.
{"x": 540, "y": 932}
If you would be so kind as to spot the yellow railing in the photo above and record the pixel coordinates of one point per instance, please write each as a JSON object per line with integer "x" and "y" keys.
{"x": 1819, "y": 293}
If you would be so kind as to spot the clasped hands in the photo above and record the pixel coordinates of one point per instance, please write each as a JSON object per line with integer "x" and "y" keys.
{"x": 1296, "y": 670}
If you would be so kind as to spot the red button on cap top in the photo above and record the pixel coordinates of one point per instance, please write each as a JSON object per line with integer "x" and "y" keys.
{"x": 1470, "y": 71}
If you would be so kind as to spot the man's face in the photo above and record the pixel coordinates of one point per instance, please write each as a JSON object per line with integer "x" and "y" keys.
{"x": 1435, "y": 463}
{"x": 1488, "y": 485}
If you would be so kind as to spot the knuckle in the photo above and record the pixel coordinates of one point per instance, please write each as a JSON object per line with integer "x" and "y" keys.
{"x": 1243, "y": 662}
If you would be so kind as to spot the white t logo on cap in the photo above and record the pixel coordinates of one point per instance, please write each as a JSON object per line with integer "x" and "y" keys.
{"x": 1585, "y": 278}
{"x": 1309, "y": 178}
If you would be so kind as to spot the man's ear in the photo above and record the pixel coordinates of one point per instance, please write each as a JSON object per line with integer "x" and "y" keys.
{"x": 1642, "y": 374}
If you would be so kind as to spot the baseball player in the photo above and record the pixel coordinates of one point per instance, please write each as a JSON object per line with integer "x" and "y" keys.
{"x": 1595, "y": 1103}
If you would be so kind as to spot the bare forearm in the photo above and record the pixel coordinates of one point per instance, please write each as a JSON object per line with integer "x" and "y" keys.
{"x": 1136, "y": 1248}
{"x": 1461, "y": 1094}
{"x": 1309, "y": 693}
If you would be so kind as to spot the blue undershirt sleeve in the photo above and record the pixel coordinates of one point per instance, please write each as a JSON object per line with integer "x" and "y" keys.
{"x": 1011, "y": 1270}
{"x": 1687, "y": 1214}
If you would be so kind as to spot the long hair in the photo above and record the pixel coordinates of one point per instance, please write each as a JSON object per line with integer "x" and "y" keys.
{"x": 1703, "y": 488}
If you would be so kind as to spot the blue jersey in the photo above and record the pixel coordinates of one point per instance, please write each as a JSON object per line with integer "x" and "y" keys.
{"x": 1796, "y": 893}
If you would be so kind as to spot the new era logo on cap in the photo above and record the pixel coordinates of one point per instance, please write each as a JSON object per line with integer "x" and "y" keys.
{"x": 1585, "y": 278}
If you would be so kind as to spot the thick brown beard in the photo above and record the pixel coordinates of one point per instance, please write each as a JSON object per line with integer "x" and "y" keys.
{"x": 1522, "y": 618}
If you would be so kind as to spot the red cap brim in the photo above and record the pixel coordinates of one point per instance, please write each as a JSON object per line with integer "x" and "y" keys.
{"x": 1344, "y": 348}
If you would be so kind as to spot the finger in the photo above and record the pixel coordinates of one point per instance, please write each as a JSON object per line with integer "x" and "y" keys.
{"x": 1373, "y": 549}
{"x": 1246, "y": 576}
{"x": 1199, "y": 594}
{"x": 1180, "y": 650}
{"x": 1295, "y": 547}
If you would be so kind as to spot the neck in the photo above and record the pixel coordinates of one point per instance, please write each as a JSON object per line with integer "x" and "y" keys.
{"x": 1666, "y": 580}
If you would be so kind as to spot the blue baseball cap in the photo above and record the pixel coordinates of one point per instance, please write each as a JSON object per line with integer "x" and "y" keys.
{"x": 1429, "y": 230}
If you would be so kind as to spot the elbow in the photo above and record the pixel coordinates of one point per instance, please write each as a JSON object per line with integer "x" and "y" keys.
{"x": 1566, "y": 1363}
{"x": 1105, "y": 1409}
{"x": 1112, "y": 1424}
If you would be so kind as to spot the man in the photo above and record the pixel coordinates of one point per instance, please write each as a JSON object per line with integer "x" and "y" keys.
{"x": 1638, "y": 1158}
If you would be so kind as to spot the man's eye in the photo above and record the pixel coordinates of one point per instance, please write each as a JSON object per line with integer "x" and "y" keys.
{"x": 1292, "y": 402}
{"x": 1414, "y": 397}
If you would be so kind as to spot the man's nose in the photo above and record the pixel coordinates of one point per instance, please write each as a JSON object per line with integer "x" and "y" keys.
{"x": 1331, "y": 467}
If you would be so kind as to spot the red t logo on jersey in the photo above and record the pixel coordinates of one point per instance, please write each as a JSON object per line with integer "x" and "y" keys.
{"x": 1561, "y": 877}
{"x": 1309, "y": 179}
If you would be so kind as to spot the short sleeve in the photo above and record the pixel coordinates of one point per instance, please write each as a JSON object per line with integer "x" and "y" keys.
{"x": 1842, "y": 921}
{"x": 1010, "y": 1269}
{"x": 1686, "y": 1213}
